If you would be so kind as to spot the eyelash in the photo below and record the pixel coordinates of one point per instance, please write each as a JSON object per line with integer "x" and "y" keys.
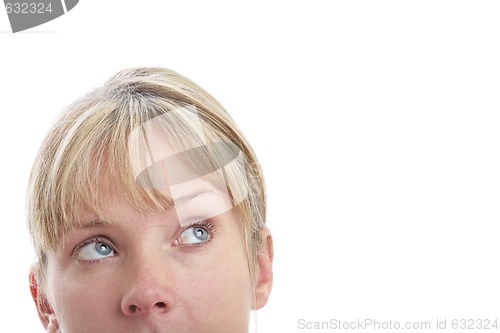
{"x": 210, "y": 228}
{"x": 91, "y": 240}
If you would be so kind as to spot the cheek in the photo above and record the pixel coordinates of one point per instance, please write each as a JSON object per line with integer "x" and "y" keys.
{"x": 80, "y": 303}
{"x": 221, "y": 288}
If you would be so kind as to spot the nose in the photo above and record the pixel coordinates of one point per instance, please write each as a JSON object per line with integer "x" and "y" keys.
{"x": 148, "y": 292}
{"x": 144, "y": 305}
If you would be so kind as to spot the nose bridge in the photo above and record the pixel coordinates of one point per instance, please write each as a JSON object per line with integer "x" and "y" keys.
{"x": 149, "y": 285}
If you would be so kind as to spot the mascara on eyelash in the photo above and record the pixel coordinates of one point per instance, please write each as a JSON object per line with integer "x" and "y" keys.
{"x": 210, "y": 228}
{"x": 95, "y": 239}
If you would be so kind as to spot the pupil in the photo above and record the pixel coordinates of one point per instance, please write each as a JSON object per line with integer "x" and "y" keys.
{"x": 200, "y": 233}
{"x": 102, "y": 248}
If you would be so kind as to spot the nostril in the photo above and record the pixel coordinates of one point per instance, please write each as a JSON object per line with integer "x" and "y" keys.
{"x": 161, "y": 305}
{"x": 133, "y": 309}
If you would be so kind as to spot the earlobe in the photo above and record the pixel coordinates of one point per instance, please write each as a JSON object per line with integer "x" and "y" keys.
{"x": 53, "y": 326}
{"x": 45, "y": 312}
{"x": 264, "y": 272}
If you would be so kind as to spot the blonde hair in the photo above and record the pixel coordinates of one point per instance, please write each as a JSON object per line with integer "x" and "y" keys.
{"x": 87, "y": 155}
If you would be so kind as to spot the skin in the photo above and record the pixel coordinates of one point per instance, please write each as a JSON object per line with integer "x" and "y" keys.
{"x": 152, "y": 278}
{"x": 153, "y": 281}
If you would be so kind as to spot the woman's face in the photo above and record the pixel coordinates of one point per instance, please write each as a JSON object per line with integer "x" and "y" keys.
{"x": 146, "y": 273}
{"x": 183, "y": 270}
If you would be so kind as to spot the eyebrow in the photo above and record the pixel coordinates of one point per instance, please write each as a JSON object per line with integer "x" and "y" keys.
{"x": 177, "y": 202}
{"x": 187, "y": 197}
{"x": 93, "y": 224}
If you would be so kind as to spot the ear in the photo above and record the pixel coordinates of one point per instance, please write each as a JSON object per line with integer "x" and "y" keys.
{"x": 45, "y": 312}
{"x": 264, "y": 270}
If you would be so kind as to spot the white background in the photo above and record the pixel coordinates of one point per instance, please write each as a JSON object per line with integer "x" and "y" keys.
{"x": 376, "y": 123}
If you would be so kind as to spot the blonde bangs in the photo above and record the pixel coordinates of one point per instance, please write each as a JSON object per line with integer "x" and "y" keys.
{"x": 76, "y": 176}
{"x": 95, "y": 148}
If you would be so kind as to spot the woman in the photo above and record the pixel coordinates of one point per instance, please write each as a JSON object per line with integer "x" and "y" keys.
{"x": 147, "y": 210}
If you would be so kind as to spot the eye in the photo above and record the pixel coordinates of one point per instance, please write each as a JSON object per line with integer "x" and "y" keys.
{"x": 94, "y": 249}
{"x": 196, "y": 234}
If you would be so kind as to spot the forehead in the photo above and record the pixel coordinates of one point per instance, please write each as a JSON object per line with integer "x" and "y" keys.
{"x": 196, "y": 201}
{"x": 179, "y": 167}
